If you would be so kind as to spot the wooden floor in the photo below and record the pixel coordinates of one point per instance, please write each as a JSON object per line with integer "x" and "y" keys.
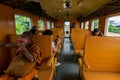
{"x": 68, "y": 70}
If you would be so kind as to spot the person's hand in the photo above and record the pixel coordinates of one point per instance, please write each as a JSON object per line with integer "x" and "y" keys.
{"x": 21, "y": 45}
{"x": 25, "y": 41}
{"x": 100, "y": 33}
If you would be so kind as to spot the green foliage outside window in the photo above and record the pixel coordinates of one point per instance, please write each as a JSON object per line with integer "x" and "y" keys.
{"x": 114, "y": 29}
{"x": 22, "y": 24}
{"x": 40, "y": 25}
{"x": 96, "y": 22}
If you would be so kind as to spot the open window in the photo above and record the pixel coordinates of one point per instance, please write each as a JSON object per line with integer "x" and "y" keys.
{"x": 52, "y": 25}
{"x": 95, "y": 24}
{"x": 82, "y": 25}
{"x": 113, "y": 26}
{"x": 48, "y": 25}
{"x": 40, "y": 25}
{"x": 87, "y": 25}
{"x": 23, "y": 23}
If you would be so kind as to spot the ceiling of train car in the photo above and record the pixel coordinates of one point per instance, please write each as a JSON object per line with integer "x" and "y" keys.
{"x": 74, "y": 8}
{"x": 55, "y": 9}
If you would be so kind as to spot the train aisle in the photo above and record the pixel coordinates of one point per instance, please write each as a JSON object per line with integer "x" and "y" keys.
{"x": 68, "y": 70}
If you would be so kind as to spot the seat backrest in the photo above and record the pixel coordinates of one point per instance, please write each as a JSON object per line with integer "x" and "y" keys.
{"x": 80, "y": 38}
{"x": 102, "y": 53}
{"x": 12, "y": 39}
{"x": 74, "y": 32}
{"x": 45, "y": 44}
{"x": 6, "y": 54}
{"x": 4, "y": 58}
{"x": 55, "y": 33}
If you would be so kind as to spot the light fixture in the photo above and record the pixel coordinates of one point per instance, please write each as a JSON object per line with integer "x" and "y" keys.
{"x": 67, "y": 5}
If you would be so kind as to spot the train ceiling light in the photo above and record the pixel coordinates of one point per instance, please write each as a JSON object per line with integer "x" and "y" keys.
{"x": 67, "y": 5}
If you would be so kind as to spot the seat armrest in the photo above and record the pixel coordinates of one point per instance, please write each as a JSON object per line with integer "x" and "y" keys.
{"x": 85, "y": 63}
{"x": 50, "y": 61}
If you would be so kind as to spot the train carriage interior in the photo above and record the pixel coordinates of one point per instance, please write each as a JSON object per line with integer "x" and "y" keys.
{"x": 59, "y": 39}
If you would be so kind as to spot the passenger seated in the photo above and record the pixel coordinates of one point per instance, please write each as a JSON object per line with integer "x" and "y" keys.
{"x": 57, "y": 41}
{"x": 27, "y": 56}
{"x": 97, "y": 32}
{"x": 34, "y": 30}
{"x": 54, "y": 43}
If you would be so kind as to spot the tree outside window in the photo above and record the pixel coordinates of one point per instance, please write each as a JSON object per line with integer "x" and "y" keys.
{"x": 22, "y": 24}
{"x": 95, "y": 24}
{"x": 113, "y": 26}
{"x": 40, "y": 25}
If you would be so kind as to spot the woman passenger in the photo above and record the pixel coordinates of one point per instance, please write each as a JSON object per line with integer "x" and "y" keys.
{"x": 28, "y": 53}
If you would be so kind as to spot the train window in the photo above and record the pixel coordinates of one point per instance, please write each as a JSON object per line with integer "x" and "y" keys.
{"x": 23, "y": 23}
{"x": 113, "y": 26}
{"x": 40, "y": 25}
{"x": 48, "y": 25}
{"x": 95, "y": 24}
{"x": 52, "y": 25}
{"x": 87, "y": 25}
{"x": 82, "y": 24}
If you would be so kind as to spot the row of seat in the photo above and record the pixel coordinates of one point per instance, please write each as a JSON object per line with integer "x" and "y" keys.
{"x": 100, "y": 55}
{"x": 77, "y": 38}
{"x": 47, "y": 68}
{"x": 100, "y": 58}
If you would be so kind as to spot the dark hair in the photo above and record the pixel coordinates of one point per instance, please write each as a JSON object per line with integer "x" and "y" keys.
{"x": 47, "y": 32}
{"x": 95, "y": 30}
{"x": 33, "y": 30}
{"x": 73, "y": 25}
{"x": 28, "y": 34}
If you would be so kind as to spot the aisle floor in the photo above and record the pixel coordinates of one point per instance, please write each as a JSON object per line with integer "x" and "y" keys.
{"x": 68, "y": 70}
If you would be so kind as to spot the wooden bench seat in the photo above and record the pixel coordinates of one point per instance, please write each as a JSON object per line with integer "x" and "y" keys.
{"x": 80, "y": 41}
{"x": 45, "y": 44}
{"x": 47, "y": 68}
{"x": 101, "y": 58}
{"x": 6, "y": 77}
{"x": 30, "y": 75}
{"x": 45, "y": 74}
{"x": 95, "y": 75}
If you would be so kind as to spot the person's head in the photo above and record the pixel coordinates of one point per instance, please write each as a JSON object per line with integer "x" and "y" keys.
{"x": 73, "y": 22}
{"x": 33, "y": 30}
{"x": 34, "y": 27}
{"x": 73, "y": 25}
{"x": 96, "y": 32}
{"x": 47, "y": 32}
{"x": 26, "y": 37}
